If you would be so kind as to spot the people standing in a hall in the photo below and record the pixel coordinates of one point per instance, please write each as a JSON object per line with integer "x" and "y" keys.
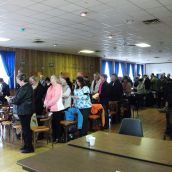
{"x": 126, "y": 84}
{"x": 168, "y": 77}
{"x": 19, "y": 72}
{"x": 66, "y": 95}
{"x": 163, "y": 82}
{"x": 116, "y": 89}
{"x": 53, "y": 102}
{"x": 38, "y": 100}
{"x": 69, "y": 83}
{"x": 39, "y": 95}
{"x": 24, "y": 101}
{"x": 47, "y": 83}
{"x": 4, "y": 91}
{"x": 82, "y": 101}
{"x": 41, "y": 79}
{"x": 141, "y": 92}
{"x": 104, "y": 96}
{"x": 147, "y": 83}
{"x": 95, "y": 84}
{"x": 168, "y": 100}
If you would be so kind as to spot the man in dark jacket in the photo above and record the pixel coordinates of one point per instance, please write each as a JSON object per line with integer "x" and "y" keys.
{"x": 4, "y": 90}
{"x": 168, "y": 99}
{"x": 24, "y": 101}
{"x": 104, "y": 96}
{"x": 116, "y": 90}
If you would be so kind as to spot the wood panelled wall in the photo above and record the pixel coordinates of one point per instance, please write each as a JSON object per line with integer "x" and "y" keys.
{"x": 34, "y": 61}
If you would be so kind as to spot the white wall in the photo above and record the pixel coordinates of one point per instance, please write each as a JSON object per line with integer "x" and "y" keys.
{"x": 159, "y": 68}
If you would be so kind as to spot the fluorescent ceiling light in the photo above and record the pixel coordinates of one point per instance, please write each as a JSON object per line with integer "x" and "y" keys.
{"x": 86, "y": 51}
{"x": 4, "y": 39}
{"x": 83, "y": 14}
{"x": 143, "y": 45}
{"x": 110, "y": 36}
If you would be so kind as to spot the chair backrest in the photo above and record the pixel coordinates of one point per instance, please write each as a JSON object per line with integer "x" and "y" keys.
{"x": 130, "y": 126}
{"x": 113, "y": 106}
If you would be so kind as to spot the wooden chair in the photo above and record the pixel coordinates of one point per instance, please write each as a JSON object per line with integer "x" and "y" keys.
{"x": 5, "y": 121}
{"x": 114, "y": 110}
{"x": 42, "y": 129}
{"x": 6, "y": 126}
{"x": 67, "y": 124}
{"x": 14, "y": 128}
{"x": 95, "y": 118}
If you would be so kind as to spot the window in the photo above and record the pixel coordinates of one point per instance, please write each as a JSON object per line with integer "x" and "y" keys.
{"x": 107, "y": 72}
{"x": 140, "y": 71}
{"x": 3, "y": 73}
{"x": 120, "y": 74}
{"x": 131, "y": 73}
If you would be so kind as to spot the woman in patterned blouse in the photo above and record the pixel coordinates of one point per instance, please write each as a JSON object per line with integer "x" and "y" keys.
{"x": 82, "y": 102}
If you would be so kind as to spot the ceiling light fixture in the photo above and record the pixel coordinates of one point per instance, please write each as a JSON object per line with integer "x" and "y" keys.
{"x": 143, "y": 45}
{"x": 54, "y": 45}
{"x": 86, "y": 51}
{"x": 110, "y": 37}
{"x": 2, "y": 39}
{"x": 83, "y": 14}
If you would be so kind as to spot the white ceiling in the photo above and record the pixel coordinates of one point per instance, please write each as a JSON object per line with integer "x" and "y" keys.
{"x": 59, "y": 22}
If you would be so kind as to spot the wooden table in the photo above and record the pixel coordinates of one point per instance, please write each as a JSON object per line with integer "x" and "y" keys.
{"x": 71, "y": 159}
{"x": 145, "y": 149}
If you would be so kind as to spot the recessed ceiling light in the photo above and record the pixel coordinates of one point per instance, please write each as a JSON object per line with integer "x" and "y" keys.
{"x": 54, "y": 45}
{"x": 143, "y": 45}
{"x": 4, "y": 39}
{"x": 110, "y": 37}
{"x": 83, "y": 14}
{"x": 86, "y": 51}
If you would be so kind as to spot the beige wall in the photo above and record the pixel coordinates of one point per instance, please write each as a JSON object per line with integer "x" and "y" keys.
{"x": 34, "y": 61}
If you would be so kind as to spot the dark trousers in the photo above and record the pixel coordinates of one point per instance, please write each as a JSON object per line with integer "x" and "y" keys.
{"x": 26, "y": 131}
{"x": 105, "y": 107}
{"x": 85, "y": 113}
{"x": 56, "y": 127}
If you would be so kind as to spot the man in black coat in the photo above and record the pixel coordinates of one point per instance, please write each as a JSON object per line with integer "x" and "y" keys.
{"x": 104, "y": 97}
{"x": 116, "y": 90}
{"x": 24, "y": 101}
{"x": 4, "y": 90}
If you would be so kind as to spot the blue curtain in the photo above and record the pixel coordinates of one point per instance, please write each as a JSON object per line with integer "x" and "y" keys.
{"x": 142, "y": 69}
{"x": 123, "y": 68}
{"x": 133, "y": 69}
{"x": 8, "y": 59}
{"x": 116, "y": 68}
{"x": 103, "y": 66}
{"x": 138, "y": 68}
{"x": 110, "y": 67}
{"x": 128, "y": 69}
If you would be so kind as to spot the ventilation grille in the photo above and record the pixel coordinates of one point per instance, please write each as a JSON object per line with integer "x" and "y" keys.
{"x": 38, "y": 41}
{"x": 151, "y": 21}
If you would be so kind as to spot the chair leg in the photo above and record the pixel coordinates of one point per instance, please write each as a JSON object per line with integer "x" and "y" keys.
{"x": 13, "y": 130}
{"x": 21, "y": 137}
{"x": 34, "y": 140}
{"x": 66, "y": 133}
{"x": 9, "y": 134}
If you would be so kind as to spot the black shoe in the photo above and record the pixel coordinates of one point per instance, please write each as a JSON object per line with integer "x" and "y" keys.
{"x": 27, "y": 151}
